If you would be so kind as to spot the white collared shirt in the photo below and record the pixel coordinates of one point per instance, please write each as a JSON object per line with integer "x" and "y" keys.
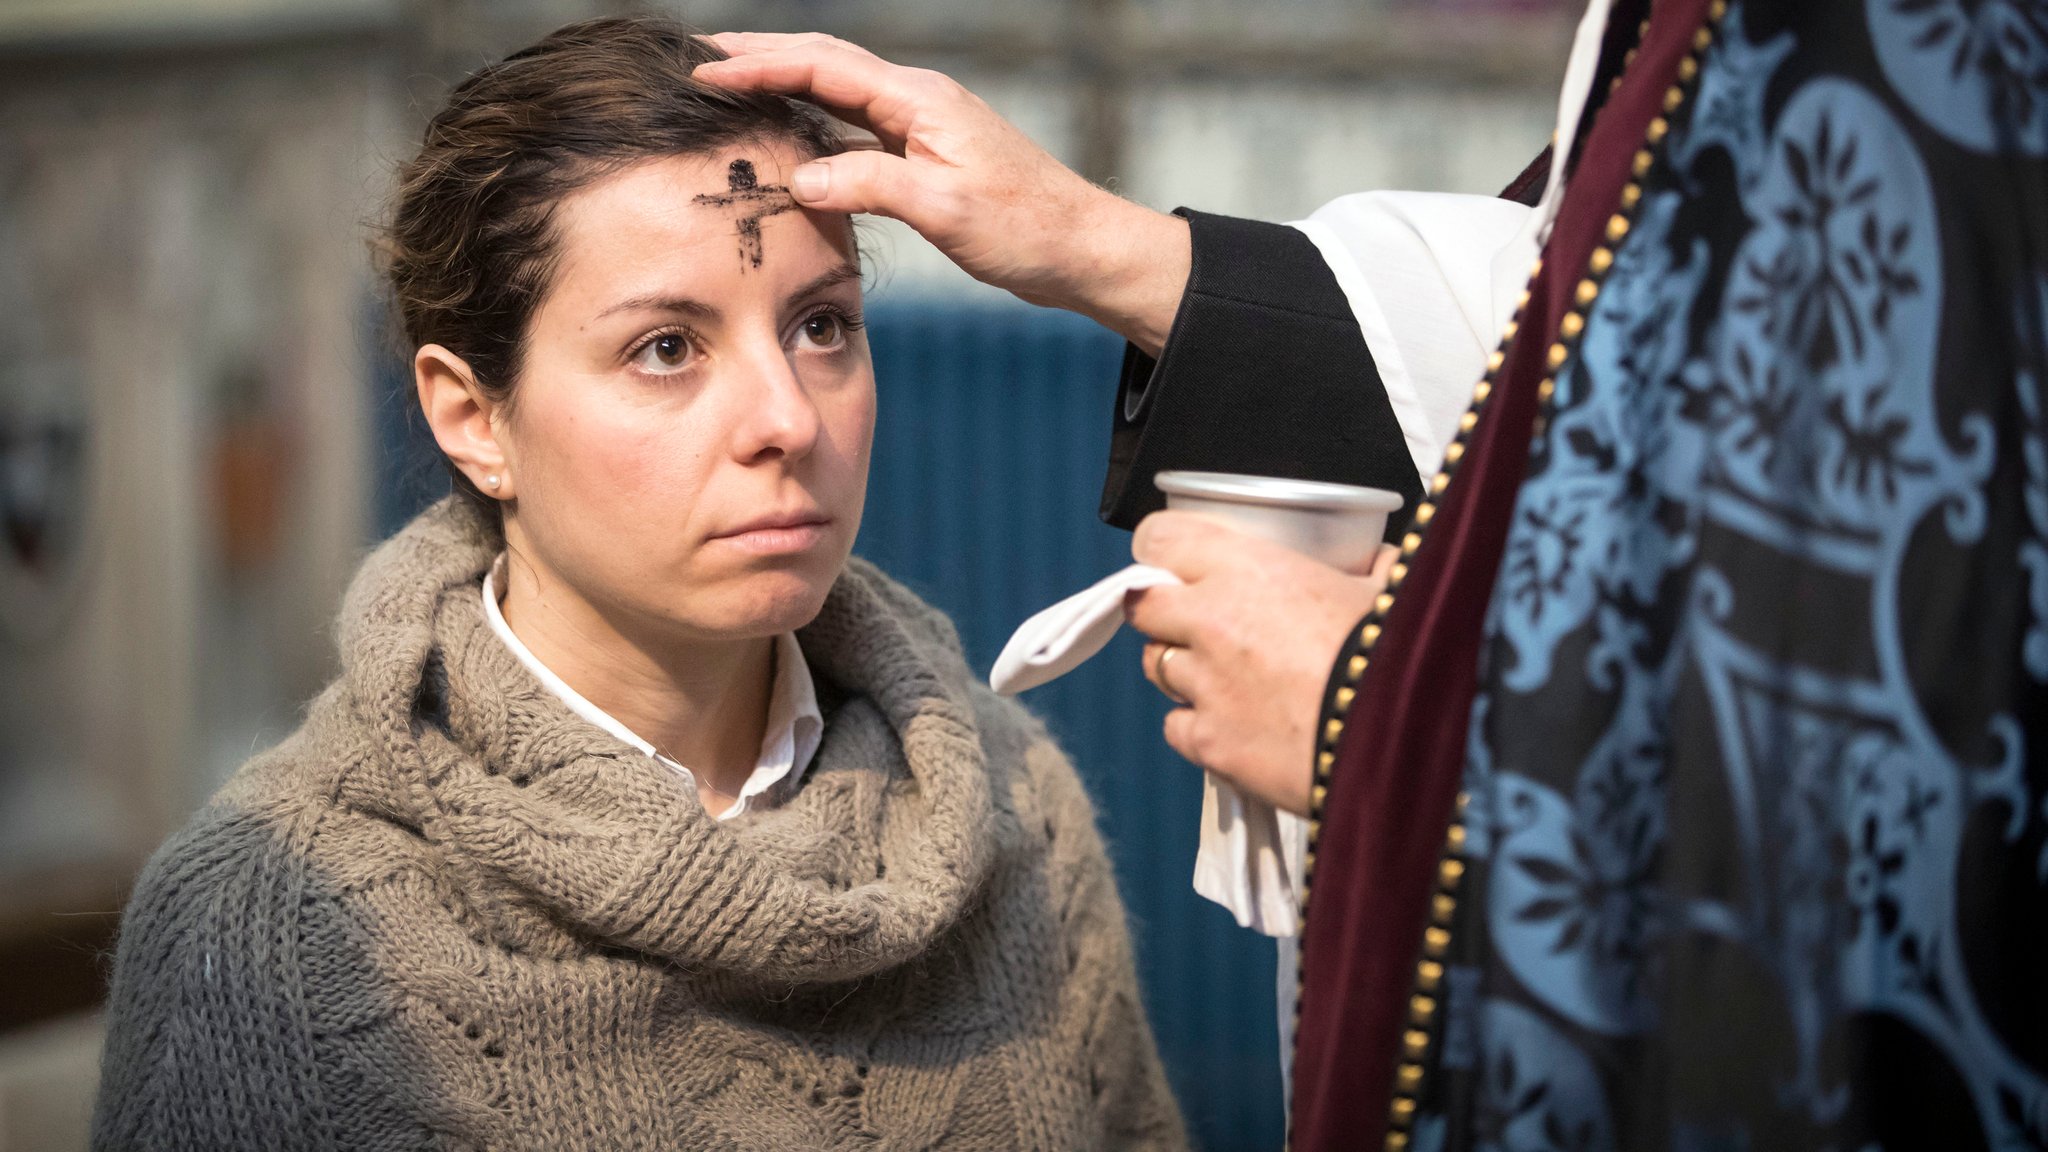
{"x": 790, "y": 740}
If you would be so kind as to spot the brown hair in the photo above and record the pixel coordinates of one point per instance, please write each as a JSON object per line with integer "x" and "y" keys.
{"x": 469, "y": 250}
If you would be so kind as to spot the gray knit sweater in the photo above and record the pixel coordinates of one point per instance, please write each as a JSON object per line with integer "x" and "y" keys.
{"x": 447, "y": 913}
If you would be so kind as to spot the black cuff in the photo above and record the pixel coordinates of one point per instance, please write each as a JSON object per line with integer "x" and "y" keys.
{"x": 1264, "y": 372}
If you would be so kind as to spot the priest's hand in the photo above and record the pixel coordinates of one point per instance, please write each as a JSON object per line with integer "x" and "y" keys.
{"x": 1249, "y": 640}
{"x": 967, "y": 180}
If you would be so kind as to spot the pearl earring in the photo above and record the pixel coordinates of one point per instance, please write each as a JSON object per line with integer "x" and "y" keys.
{"x": 493, "y": 481}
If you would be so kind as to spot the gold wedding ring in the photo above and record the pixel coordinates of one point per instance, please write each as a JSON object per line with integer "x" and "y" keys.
{"x": 1166, "y": 687}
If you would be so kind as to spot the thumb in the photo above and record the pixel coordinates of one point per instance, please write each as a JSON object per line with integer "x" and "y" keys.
{"x": 869, "y": 181}
{"x": 1188, "y": 544}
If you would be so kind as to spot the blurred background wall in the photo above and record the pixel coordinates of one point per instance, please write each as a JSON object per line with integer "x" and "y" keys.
{"x": 202, "y": 426}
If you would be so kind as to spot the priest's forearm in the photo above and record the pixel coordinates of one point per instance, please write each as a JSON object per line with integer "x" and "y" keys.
{"x": 1123, "y": 265}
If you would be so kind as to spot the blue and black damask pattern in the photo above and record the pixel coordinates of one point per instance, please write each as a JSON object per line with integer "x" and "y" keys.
{"x": 1759, "y": 773}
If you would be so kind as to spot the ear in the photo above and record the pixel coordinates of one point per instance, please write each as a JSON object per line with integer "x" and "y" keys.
{"x": 463, "y": 419}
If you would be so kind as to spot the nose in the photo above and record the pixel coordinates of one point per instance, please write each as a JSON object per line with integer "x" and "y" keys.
{"x": 777, "y": 415}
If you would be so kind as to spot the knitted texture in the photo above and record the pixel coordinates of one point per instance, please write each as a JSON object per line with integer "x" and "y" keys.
{"x": 447, "y": 913}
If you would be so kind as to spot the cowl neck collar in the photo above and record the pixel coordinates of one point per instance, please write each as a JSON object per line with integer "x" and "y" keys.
{"x": 552, "y": 824}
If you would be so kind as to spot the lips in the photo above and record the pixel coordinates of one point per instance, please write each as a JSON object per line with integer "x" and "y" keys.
{"x": 778, "y": 522}
{"x": 778, "y": 534}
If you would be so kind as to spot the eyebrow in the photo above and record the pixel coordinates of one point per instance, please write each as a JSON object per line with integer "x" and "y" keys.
{"x": 667, "y": 302}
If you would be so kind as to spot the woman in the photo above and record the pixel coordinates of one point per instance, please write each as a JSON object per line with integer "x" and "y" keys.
{"x": 641, "y": 816}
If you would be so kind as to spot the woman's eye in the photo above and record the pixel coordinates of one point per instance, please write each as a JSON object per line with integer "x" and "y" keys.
{"x": 825, "y": 330}
{"x": 665, "y": 354}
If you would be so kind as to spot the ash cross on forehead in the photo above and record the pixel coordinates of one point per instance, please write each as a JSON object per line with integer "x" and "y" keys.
{"x": 753, "y": 204}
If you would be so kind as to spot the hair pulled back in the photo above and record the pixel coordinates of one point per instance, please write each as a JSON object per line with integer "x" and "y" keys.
{"x": 469, "y": 250}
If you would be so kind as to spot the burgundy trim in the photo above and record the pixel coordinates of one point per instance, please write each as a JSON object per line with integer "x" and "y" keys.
{"x": 1403, "y": 750}
{"x": 1527, "y": 188}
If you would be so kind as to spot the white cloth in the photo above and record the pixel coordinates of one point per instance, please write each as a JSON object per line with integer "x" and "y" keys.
{"x": 788, "y": 742}
{"x": 1250, "y": 856}
{"x": 1433, "y": 277}
{"x": 1058, "y": 639}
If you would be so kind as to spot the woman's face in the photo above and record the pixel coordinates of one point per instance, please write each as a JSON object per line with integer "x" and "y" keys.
{"x": 688, "y": 440}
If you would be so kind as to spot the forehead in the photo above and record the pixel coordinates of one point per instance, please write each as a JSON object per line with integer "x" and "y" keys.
{"x": 682, "y": 217}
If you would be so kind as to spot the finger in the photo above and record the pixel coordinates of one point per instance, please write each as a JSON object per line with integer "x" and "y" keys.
{"x": 1383, "y": 563}
{"x": 751, "y": 43}
{"x": 1181, "y": 677}
{"x": 884, "y": 97}
{"x": 1189, "y": 544}
{"x": 1182, "y": 730}
{"x": 876, "y": 182}
{"x": 1168, "y": 614}
{"x": 1171, "y": 679}
{"x": 1148, "y": 661}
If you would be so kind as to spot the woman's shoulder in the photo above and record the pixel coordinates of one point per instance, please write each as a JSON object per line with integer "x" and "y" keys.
{"x": 243, "y": 954}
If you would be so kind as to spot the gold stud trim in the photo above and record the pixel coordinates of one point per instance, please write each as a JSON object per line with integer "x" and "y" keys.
{"x": 1412, "y": 1074}
{"x": 1435, "y": 942}
{"x": 1428, "y": 975}
{"x": 1425, "y": 1001}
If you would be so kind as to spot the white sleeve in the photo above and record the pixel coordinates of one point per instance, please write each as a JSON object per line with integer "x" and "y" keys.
{"x": 1432, "y": 278}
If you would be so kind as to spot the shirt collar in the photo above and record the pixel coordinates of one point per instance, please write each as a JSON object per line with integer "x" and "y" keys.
{"x": 788, "y": 743}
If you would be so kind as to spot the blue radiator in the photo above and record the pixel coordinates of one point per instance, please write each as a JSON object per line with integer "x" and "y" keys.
{"x": 988, "y": 466}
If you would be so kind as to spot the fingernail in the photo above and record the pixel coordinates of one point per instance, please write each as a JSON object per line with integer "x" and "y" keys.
{"x": 811, "y": 181}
